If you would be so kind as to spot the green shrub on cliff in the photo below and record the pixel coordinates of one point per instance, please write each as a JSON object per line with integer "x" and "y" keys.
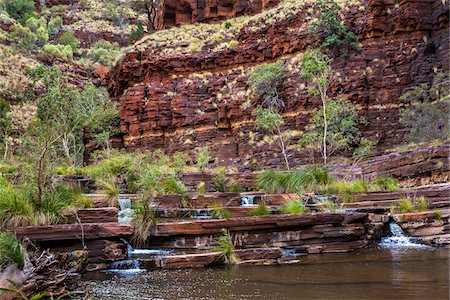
{"x": 329, "y": 27}
{"x": 293, "y": 207}
{"x": 20, "y": 10}
{"x": 266, "y": 80}
{"x": 68, "y": 38}
{"x": 427, "y": 117}
{"x": 51, "y": 51}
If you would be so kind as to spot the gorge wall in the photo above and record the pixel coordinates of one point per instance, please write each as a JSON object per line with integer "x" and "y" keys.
{"x": 185, "y": 87}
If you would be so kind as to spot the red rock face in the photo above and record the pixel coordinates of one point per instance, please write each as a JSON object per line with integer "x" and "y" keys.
{"x": 183, "y": 100}
{"x": 177, "y": 12}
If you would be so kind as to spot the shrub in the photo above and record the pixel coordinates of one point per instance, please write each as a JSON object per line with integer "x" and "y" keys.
{"x": 11, "y": 250}
{"x": 427, "y": 118}
{"x": 266, "y": 80}
{"x": 294, "y": 181}
{"x": 172, "y": 185}
{"x": 386, "y": 183}
{"x": 202, "y": 157}
{"x": 223, "y": 182}
{"x": 68, "y": 38}
{"x": 227, "y": 25}
{"x": 51, "y": 51}
{"x": 111, "y": 189}
{"x": 271, "y": 121}
{"x": 437, "y": 214}
{"x": 20, "y": 10}
{"x": 219, "y": 212}
{"x": 406, "y": 206}
{"x": 144, "y": 219}
{"x": 136, "y": 32}
{"x": 58, "y": 203}
{"x": 226, "y": 248}
{"x": 15, "y": 208}
{"x": 104, "y": 52}
{"x": 54, "y": 26}
{"x": 330, "y": 29}
{"x": 421, "y": 203}
{"x": 260, "y": 210}
{"x": 293, "y": 207}
{"x": 31, "y": 36}
{"x": 343, "y": 131}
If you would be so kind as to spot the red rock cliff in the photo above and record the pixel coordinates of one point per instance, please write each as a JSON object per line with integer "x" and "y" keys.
{"x": 177, "y": 93}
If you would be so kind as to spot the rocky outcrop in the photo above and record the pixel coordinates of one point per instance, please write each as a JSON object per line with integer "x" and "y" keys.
{"x": 430, "y": 227}
{"x": 177, "y": 96}
{"x": 176, "y": 12}
{"x": 307, "y": 233}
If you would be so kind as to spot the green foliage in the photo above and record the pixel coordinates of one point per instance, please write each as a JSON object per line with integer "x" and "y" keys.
{"x": 202, "y": 157}
{"x": 227, "y": 25}
{"x": 226, "y": 248}
{"x": 54, "y": 26}
{"x": 266, "y": 80}
{"x": 15, "y": 208}
{"x": 143, "y": 220}
{"x": 104, "y": 52}
{"x": 31, "y": 36}
{"x": 219, "y": 212}
{"x": 364, "y": 149}
{"x": 331, "y": 30}
{"x": 343, "y": 131}
{"x": 172, "y": 185}
{"x": 11, "y": 250}
{"x": 415, "y": 204}
{"x": 267, "y": 119}
{"x": 260, "y": 210}
{"x": 427, "y": 118}
{"x": 293, "y": 207}
{"x": 68, "y": 38}
{"x": 67, "y": 110}
{"x": 405, "y": 206}
{"x": 386, "y": 183}
{"x": 308, "y": 179}
{"x": 437, "y": 214}
{"x": 223, "y": 182}
{"x": 20, "y": 10}
{"x": 136, "y": 32}
{"x": 109, "y": 187}
{"x": 51, "y": 51}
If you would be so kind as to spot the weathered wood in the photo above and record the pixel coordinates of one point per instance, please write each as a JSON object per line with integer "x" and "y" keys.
{"x": 87, "y": 231}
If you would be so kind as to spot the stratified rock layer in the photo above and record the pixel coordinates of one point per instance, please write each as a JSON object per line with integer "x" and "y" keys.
{"x": 182, "y": 99}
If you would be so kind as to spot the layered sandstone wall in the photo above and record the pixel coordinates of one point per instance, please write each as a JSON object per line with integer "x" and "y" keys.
{"x": 177, "y": 97}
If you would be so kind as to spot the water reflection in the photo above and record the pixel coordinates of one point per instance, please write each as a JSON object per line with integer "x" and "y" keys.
{"x": 367, "y": 274}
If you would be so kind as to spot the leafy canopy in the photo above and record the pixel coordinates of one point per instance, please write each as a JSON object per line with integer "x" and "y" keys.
{"x": 331, "y": 30}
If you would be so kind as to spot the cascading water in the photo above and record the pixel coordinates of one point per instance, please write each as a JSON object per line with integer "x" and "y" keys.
{"x": 248, "y": 200}
{"x": 398, "y": 239}
{"x": 125, "y": 211}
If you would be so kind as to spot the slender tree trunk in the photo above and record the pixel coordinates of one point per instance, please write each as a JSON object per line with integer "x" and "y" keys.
{"x": 283, "y": 148}
{"x": 325, "y": 129}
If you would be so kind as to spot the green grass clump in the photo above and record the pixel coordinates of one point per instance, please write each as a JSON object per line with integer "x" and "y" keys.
{"x": 144, "y": 219}
{"x": 10, "y": 250}
{"x": 15, "y": 208}
{"x": 437, "y": 214}
{"x": 408, "y": 205}
{"x": 308, "y": 179}
{"x": 260, "y": 210}
{"x": 111, "y": 189}
{"x": 293, "y": 207}
{"x": 219, "y": 212}
{"x": 405, "y": 205}
{"x": 226, "y": 248}
{"x": 386, "y": 184}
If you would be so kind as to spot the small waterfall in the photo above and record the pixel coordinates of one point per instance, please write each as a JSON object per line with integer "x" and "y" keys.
{"x": 398, "y": 239}
{"x": 248, "y": 200}
{"x": 201, "y": 214}
{"x": 125, "y": 211}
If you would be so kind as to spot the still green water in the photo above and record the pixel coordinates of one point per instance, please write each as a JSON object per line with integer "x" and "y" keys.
{"x": 366, "y": 274}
